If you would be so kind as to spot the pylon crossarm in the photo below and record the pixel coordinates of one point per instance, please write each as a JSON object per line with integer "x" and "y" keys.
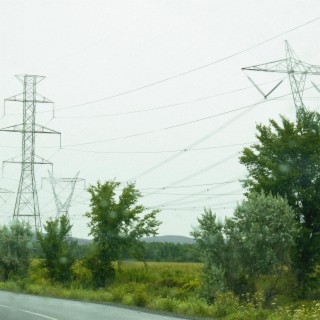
{"x": 38, "y": 129}
{"x": 42, "y": 99}
{"x": 295, "y": 68}
{"x": 311, "y": 69}
{"x": 12, "y": 160}
{"x": 28, "y": 162}
{"x": 43, "y": 129}
{"x": 17, "y": 97}
{"x": 274, "y": 66}
{"x": 282, "y": 66}
{"x": 42, "y": 160}
{"x": 27, "y": 100}
{"x": 71, "y": 179}
{"x": 14, "y": 128}
{"x": 36, "y": 78}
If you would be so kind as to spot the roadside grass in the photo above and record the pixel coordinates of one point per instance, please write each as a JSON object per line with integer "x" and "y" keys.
{"x": 171, "y": 287}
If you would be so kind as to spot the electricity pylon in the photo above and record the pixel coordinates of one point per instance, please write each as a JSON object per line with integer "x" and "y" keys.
{"x": 27, "y": 205}
{"x": 296, "y": 69}
{"x": 70, "y": 183}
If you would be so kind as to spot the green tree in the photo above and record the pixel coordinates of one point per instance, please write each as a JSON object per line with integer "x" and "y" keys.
{"x": 16, "y": 244}
{"x": 255, "y": 242}
{"x": 212, "y": 246}
{"x": 116, "y": 226}
{"x": 286, "y": 161}
{"x": 57, "y": 248}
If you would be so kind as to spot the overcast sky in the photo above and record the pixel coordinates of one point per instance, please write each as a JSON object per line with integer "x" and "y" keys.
{"x": 149, "y": 91}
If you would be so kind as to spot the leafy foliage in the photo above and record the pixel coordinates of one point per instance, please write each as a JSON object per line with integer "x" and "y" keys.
{"x": 286, "y": 161}
{"x": 116, "y": 226}
{"x": 173, "y": 252}
{"x": 57, "y": 248}
{"x": 137, "y": 285}
{"x": 15, "y": 249}
{"x": 263, "y": 230}
{"x": 256, "y": 241}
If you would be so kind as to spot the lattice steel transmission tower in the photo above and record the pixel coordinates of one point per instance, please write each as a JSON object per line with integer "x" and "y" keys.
{"x": 70, "y": 184}
{"x": 27, "y": 205}
{"x": 296, "y": 69}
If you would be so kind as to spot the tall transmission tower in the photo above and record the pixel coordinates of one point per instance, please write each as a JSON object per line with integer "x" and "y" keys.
{"x": 296, "y": 69}
{"x": 27, "y": 205}
{"x": 70, "y": 184}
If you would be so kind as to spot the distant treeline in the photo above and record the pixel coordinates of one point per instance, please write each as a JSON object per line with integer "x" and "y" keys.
{"x": 171, "y": 252}
{"x": 156, "y": 251}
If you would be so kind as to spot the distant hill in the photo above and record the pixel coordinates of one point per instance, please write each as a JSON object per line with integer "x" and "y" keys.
{"x": 171, "y": 238}
{"x": 82, "y": 241}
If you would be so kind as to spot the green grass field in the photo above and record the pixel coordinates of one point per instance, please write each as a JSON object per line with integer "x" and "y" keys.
{"x": 163, "y": 286}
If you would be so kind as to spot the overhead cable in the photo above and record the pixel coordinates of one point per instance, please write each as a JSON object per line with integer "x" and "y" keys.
{"x": 167, "y": 105}
{"x": 194, "y": 69}
{"x": 191, "y": 185}
{"x": 191, "y": 146}
{"x": 174, "y": 126}
{"x": 160, "y": 151}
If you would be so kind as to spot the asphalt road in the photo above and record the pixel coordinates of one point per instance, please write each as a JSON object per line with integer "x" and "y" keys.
{"x": 14, "y": 306}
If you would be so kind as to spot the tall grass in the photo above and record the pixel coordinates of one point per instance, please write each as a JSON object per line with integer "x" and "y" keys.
{"x": 163, "y": 286}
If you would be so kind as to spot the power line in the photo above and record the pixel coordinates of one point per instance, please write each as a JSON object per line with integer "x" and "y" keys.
{"x": 192, "y": 185}
{"x": 168, "y": 105}
{"x": 180, "y": 124}
{"x": 142, "y": 43}
{"x": 178, "y": 201}
{"x": 197, "y": 208}
{"x": 220, "y": 203}
{"x": 203, "y": 206}
{"x": 201, "y": 171}
{"x": 160, "y": 107}
{"x": 192, "y": 70}
{"x": 194, "y": 194}
{"x": 176, "y": 125}
{"x": 189, "y": 147}
{"x": 177, "y": 182}
{"x": 160, "y": 151}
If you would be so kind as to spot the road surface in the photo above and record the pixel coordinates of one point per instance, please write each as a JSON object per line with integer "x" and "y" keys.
{"x": 15, "y": 306}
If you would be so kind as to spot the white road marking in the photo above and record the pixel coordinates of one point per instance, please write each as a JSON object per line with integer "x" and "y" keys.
{"x": 38, "y": 314}
{"x": 3, "y": 306}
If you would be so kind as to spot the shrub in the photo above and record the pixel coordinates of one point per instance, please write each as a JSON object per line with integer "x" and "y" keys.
{"x": 82, "y": 276}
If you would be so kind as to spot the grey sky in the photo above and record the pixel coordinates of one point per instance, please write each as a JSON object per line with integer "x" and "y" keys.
{"x": 103, "y": 50}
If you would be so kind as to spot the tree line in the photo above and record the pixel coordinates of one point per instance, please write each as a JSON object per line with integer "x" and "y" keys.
{"x": 117, "y": 225}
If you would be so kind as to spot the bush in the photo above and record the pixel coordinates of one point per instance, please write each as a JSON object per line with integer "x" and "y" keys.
{"x": 256, "y": 241}
{"x": 15, "y": 250}
{"x": 82, "y": 276}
